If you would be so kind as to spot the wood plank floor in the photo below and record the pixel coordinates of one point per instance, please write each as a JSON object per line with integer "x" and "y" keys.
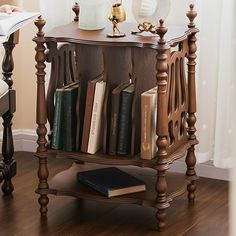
{"x": 19, "y": 214}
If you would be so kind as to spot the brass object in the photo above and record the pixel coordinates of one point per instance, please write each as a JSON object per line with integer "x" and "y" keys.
{"x": 146, "y": 27}
{"x": 118, "y": 15}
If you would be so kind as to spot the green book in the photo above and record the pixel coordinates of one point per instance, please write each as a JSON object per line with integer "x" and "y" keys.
{"x": 64, "y": 124}
{"x": 69, "y": 118}
{"x": 57, "y": 123}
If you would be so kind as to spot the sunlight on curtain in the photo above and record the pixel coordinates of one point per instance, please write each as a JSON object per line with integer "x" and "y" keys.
{"x": 216, "y": 83}
{"x": 216, "y": 60}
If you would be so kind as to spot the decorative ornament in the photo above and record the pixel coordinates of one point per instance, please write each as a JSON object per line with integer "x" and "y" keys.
{"x": 148, "y": 13}
{"x": 118, "y": 15}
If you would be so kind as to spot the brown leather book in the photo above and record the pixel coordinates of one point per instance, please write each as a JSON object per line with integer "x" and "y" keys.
{"x": 148, "y": 123}
{"x": 88, "y": 112}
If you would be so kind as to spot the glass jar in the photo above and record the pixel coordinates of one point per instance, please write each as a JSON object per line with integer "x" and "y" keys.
{"x": 93, "y": 14}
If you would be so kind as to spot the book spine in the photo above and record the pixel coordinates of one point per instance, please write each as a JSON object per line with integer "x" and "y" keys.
{"x": 69, "y": 119}
{"x": 124, "y": 133}
{"x": 57, "y": 122}
{"x": 146, "y": 125}
{"x": 114, "y": 123}
{"x": 88, "y": 116}
{"x": 95, "y": 134}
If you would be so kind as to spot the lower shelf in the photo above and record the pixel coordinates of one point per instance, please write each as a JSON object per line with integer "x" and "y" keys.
{"x": 65, "y": 184}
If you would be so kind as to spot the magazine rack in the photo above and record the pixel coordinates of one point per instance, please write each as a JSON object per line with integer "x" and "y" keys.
{"x": 148, "y": 61}
{"x": 7, "y": 108}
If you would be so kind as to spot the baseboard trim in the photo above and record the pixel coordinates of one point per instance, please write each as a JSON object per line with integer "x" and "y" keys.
{"x": 25, "y": 140}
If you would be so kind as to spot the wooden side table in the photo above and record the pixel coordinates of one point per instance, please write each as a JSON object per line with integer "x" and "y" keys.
{"x": 150, "y": 61}
{"x": 7, "y": 108}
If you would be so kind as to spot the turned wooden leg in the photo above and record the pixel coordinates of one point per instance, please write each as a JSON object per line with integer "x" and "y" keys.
{"x": 191, "y": 119}
{"x": 8, "y": 165}
{"x": 41, "y": 119}
{"x": 7, "y": 152}
{"x": 161, "y": 187}
{"x": 191, "y": 162}
{"x": 162, "y": 126}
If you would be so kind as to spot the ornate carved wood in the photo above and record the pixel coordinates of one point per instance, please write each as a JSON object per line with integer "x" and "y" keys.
{"x": 117, "y": 58}
{"x": 162, "y": 126}
{"x": 8, "y": 165}
{"x": 41, "y": 114}
{"x": 191, "y": 158}
{"x": 63, "y": 71}
{"x": 178, "y": 100}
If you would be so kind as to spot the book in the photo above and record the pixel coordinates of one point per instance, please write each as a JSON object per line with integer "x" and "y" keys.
{"x": 111, "y": 181}
{"x": 148, "y": 123}
{"x": 9, "y": 23}
{"x": 57, "y": 121}
{"x": 115, "y": 108}
{"x": 88, "y": 112}
{"x": 69, "y": 117}
{"x": 124, "y": 130}
{"x": 64, "y": 123}
{"x": 92, "y": 129}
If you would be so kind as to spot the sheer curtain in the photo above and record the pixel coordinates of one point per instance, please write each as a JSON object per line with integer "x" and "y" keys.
{"x": 215, "y": 81}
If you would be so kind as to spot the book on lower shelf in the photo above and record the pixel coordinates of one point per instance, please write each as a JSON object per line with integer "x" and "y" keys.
{"x": 148, "y": 123}
{"x": 111, "y": 181}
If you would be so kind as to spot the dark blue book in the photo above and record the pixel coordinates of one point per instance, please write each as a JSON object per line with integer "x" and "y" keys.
{"x": 111, "y": 181}
{"x": 124, "y": 130}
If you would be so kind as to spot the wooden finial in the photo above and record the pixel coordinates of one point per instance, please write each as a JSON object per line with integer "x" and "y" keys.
{"x": 191, "y": 14}
{"x": 40, "y": 22}
{"x": 161, "y": 31}
{"x": 76, "y": 10}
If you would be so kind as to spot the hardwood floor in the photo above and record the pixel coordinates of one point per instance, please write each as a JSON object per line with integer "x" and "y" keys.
{"x": 19, "y": 213}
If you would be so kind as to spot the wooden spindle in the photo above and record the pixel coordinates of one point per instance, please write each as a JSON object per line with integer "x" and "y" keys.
{"x": 9, "y": 164}
{"x": 162, "y": 126}
{"x": 41, "y": 115}
{"x": 191, "y": 120}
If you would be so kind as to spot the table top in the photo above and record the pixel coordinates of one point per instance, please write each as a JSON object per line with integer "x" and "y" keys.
{"x": 71, "y": 33}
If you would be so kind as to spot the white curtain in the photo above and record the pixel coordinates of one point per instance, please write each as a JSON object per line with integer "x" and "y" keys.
{"x": 216, "y": 84}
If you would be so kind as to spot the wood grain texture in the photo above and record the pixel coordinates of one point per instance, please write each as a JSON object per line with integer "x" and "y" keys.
{"x": 70, "y": 217}
{"x": 71, "y": 33}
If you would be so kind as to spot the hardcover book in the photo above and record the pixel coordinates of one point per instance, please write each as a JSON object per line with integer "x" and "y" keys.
{"x": 57, "y": 121}
{"x": 148, "y": 123}
{"x": 92, "y": 128}
{"x": 69, "y": 118}
{"x": 124, "y": 131}
{"x": 111, "y": 181}
{"x": 115, "y": 111}
{"x": 64, "y": 124}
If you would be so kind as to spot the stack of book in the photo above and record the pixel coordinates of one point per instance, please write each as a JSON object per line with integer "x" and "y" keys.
{"x": 65, "y": 119}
